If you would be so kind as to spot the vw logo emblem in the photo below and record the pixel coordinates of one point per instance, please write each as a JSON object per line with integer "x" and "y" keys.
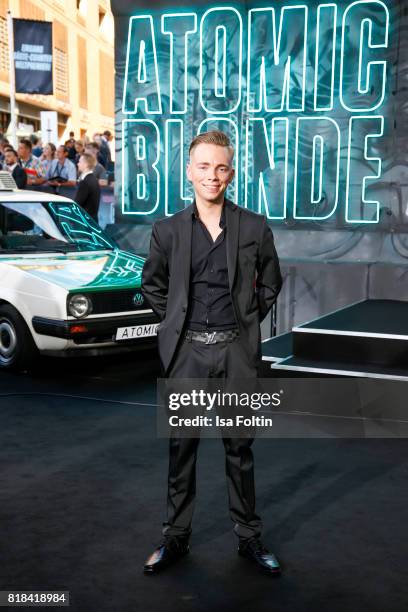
{"x": 138, "y": 299}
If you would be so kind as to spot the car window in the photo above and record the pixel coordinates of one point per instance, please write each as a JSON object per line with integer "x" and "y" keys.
{"x": 49, "y": 226}
{"x": 30, "y": 218}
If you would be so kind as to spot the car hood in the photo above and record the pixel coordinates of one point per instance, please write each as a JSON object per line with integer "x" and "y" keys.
{"x": 83, "y": 271}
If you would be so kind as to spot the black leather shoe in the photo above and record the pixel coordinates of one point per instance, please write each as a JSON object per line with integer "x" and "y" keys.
{"x": 254, "y": 550}
{"x": 168, "y": 552}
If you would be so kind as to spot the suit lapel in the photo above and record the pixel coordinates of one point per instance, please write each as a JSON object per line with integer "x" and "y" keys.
{"x": 185, "y": 250}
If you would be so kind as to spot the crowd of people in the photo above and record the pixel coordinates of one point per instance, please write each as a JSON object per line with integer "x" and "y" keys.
{"x": 83, "y": 164}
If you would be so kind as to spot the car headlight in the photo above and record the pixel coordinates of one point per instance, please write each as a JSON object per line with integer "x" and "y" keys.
{"x": 79, "y": 305}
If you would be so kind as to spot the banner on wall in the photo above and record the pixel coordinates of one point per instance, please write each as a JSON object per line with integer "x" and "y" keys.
{"x": 33, "y": 56}
{"x": 302, "y": 90}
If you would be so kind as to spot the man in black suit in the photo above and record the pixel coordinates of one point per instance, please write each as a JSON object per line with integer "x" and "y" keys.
{"x": 211, "y": 276}
{"x": 88, "y": 193}
{"x": 11, "y": 164}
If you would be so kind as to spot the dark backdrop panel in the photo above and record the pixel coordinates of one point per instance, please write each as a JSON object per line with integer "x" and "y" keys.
{"x": 332, "y": 263}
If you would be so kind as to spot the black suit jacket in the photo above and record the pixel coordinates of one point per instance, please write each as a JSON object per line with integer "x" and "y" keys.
{"x": 88, "y": 195}
{"x": 253, "y": 273}
{"x": 20, "y": 177}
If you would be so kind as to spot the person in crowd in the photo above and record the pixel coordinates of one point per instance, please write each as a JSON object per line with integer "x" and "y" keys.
{"x": 88, "y": 193}
{"x": 48, "y": 155}
{"x": 3, "y": 143}
{"x": 79, "y": 148}
{"x": 99, "y": 171}
{"x": 107, "y": 138}
{"x": 70, "y": 144}
{"x": 104, "y": 156}
{"x": 5, "y": 148}
{"x": 62, "y": 171}
{"x": 36, "y": 145}
{"x": 31, "y": 164}
{"x": 12, "y": 165}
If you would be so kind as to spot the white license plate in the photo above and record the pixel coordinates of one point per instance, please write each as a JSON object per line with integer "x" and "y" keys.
{"x": 137, "y": 331}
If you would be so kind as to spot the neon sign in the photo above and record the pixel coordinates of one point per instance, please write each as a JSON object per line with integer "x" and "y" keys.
{"x": 300, "y": 89}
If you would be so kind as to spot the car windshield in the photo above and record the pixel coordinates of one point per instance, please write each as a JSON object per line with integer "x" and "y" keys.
{"x": 29, "y": 227}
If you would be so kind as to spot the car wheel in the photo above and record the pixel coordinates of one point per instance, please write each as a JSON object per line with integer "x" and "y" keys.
{"x": 17, "y": 347}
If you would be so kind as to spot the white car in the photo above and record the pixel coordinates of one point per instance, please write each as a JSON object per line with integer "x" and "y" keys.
{"x": 65, "y": 286}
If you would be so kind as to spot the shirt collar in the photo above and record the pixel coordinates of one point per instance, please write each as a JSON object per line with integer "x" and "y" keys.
{"x": 195, "y": 215}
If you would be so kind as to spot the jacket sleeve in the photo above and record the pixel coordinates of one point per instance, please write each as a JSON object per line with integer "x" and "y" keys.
{"x": 155, "y": 277}
{"x": 269, "y": 279}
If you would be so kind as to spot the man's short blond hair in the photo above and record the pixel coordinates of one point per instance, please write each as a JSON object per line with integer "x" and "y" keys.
{"x": 215, "y": 137}
{"x": 89, "y": 159}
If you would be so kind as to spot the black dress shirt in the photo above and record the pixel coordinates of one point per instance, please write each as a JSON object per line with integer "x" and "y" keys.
{"x": 210, "y": 305}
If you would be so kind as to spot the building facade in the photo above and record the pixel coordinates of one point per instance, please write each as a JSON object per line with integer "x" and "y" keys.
{"x": 83, "y": 67}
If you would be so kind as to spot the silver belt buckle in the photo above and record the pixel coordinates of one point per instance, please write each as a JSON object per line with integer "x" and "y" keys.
{"x": 210, "y": 337}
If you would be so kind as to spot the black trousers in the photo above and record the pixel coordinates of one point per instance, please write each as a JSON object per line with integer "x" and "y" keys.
{"x": 198, "y": 360}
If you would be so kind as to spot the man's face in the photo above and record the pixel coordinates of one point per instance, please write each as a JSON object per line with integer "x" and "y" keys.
{"x": 10, "y": 158}
{"x": 23, "y": 151}
{"x": 210, "y": 171}
{"x": 82, "y": 165}
{"x": 61, "y": 154}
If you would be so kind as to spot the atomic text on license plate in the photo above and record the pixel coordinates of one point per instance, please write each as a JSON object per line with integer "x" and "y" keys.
{"x": 137, "y": 331}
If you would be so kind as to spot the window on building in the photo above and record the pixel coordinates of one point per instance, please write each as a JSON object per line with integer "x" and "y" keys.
{"x": 29, "y": 10}
{"x": 61, "y": 60}
{"x": 82, "y": 7}
{"x": 107, "y": 84}
{"x": 106, "y": 27}
{"x": 82, "y": 72}
{"x": 4, "y": 48}
{"x": 4, "y": 121}
{"x": 61, "y": 72}
{"x": 102, "y": 15}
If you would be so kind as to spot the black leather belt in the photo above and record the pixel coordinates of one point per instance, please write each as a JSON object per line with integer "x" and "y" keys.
{"x": 212, "y": 337}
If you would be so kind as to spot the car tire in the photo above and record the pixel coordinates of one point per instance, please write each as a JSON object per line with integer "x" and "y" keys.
{"x": 17, "y": 347}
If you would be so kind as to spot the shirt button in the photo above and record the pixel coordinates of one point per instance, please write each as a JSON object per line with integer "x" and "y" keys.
{"x": 212, "y": 270}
